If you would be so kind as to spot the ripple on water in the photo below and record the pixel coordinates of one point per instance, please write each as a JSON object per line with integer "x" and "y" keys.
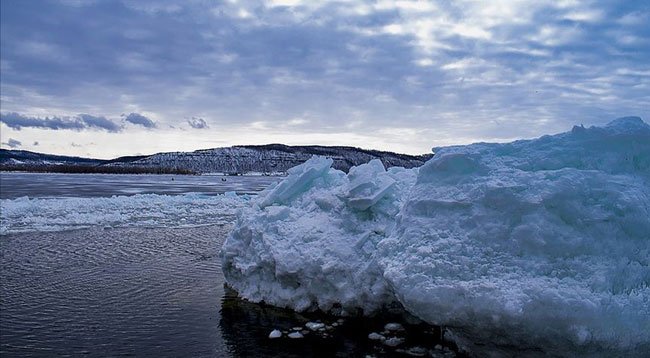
{"x": 150, "y": 292}
{"x": 112, "y": 292}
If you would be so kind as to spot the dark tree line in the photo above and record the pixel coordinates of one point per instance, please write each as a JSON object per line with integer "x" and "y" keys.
{"x": 91, "y": 169}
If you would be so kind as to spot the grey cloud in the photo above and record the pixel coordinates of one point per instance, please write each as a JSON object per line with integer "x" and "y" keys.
{"x": 492, "y": 76}
{"x": 12, "y": 143}
{"x": 138, "y": 119}
{"x": 198, "y": 123}
{"x": 80, "y": 122}
{"x": 100, "y": 122}
{"x": 18, "y": 121}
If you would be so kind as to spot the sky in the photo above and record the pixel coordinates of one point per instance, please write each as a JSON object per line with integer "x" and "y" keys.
{"x": 109, "y": 78}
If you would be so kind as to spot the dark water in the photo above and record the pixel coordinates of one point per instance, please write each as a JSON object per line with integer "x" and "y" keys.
{"x": 155, "y": 291}
{"x": 150, "y": 292}
{"x": 40, "y": 185}
{"x": 112, "y": 293}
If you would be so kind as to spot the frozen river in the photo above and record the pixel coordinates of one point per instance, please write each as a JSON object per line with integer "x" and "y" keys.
{"x": 53, "y": 185}
{"x": 53, "y": 202}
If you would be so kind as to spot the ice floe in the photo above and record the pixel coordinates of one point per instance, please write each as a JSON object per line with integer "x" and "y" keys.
{"x": 142, "y": 210}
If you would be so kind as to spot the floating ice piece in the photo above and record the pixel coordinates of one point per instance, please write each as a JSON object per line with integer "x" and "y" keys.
{"x": 141, "y": 210}
{"x": 393, "y": 327}
{"x": 416, "y": 351}
{"x": 275, "y": 334}
{"x": 374, "y": 336}
{"x": 393, "y": 341}
{"x": 314, "y": 325}
{"x": 295, "y": 335}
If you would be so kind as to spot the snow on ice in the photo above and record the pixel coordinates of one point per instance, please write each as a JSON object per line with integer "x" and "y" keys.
{"x": 142, "y": 210}
{"x": 538, "y": 244}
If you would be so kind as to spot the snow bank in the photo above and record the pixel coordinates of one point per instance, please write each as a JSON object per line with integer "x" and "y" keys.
{"x": 36, "y": 214}
{"x": 542, "y": 245}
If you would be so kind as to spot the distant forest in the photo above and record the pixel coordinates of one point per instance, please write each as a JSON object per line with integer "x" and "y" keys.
{"x": 92, "y": 169}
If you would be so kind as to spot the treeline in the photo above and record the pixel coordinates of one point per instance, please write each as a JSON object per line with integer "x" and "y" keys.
{"x": 92, "y": 169}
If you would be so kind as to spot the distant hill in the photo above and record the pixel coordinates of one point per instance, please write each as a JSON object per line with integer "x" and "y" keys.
{"x": 271, "y": 158}
{"x": 26, "y": 157}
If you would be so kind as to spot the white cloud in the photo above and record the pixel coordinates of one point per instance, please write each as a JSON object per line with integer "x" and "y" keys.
{"x": 585, "y": 15}
{"x": 297, "y": 121}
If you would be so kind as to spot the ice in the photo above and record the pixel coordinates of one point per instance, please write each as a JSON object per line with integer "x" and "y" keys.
{"x": 374, "y": 336}
{"x": 393, "y": 327}
{"x": 275, "y": 334}
{"x": 531, "y": 242}
{"x": 314, "y": 325}
{"x": 541, "y": 246}
{"x": 393, "y": 341}
{"x": 142, "y": 210}
{"x": 368, "y": 184}
{"x": 299, "y": 180}
{"x": 311, "y": 248}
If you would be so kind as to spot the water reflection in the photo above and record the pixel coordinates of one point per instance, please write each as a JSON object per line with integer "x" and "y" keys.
{"x": 121, "y": 292}
{"x": 245, "y": 328}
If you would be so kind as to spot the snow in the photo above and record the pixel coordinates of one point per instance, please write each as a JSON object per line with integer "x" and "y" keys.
{"x": 269, "y": 159}
{"x": 142, "y": 210}
{"x": 537, "y": 244}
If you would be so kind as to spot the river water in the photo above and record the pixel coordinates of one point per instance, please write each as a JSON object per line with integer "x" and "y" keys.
{"x": 128, "y": 265}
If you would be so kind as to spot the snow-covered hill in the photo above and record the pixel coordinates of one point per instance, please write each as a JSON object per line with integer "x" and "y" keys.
{"x": 17, "y": 157}
{"x": 272, "y": 158}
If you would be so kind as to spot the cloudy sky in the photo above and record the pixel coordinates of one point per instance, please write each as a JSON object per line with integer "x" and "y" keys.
{"x": 107, "y": 78}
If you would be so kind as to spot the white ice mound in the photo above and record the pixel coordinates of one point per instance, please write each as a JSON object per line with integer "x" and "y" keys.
{"x": 309, "y": 241}
{"x": 542, "y": 245}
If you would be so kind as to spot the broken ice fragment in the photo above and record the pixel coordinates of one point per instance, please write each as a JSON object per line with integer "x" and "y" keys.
{"x": 368, "y": 184}
{"x": 393, "y": 327}
{"x": 394, "y": 341}
{"x": 376, "y": 336}
{"x": 314, "y": 325}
